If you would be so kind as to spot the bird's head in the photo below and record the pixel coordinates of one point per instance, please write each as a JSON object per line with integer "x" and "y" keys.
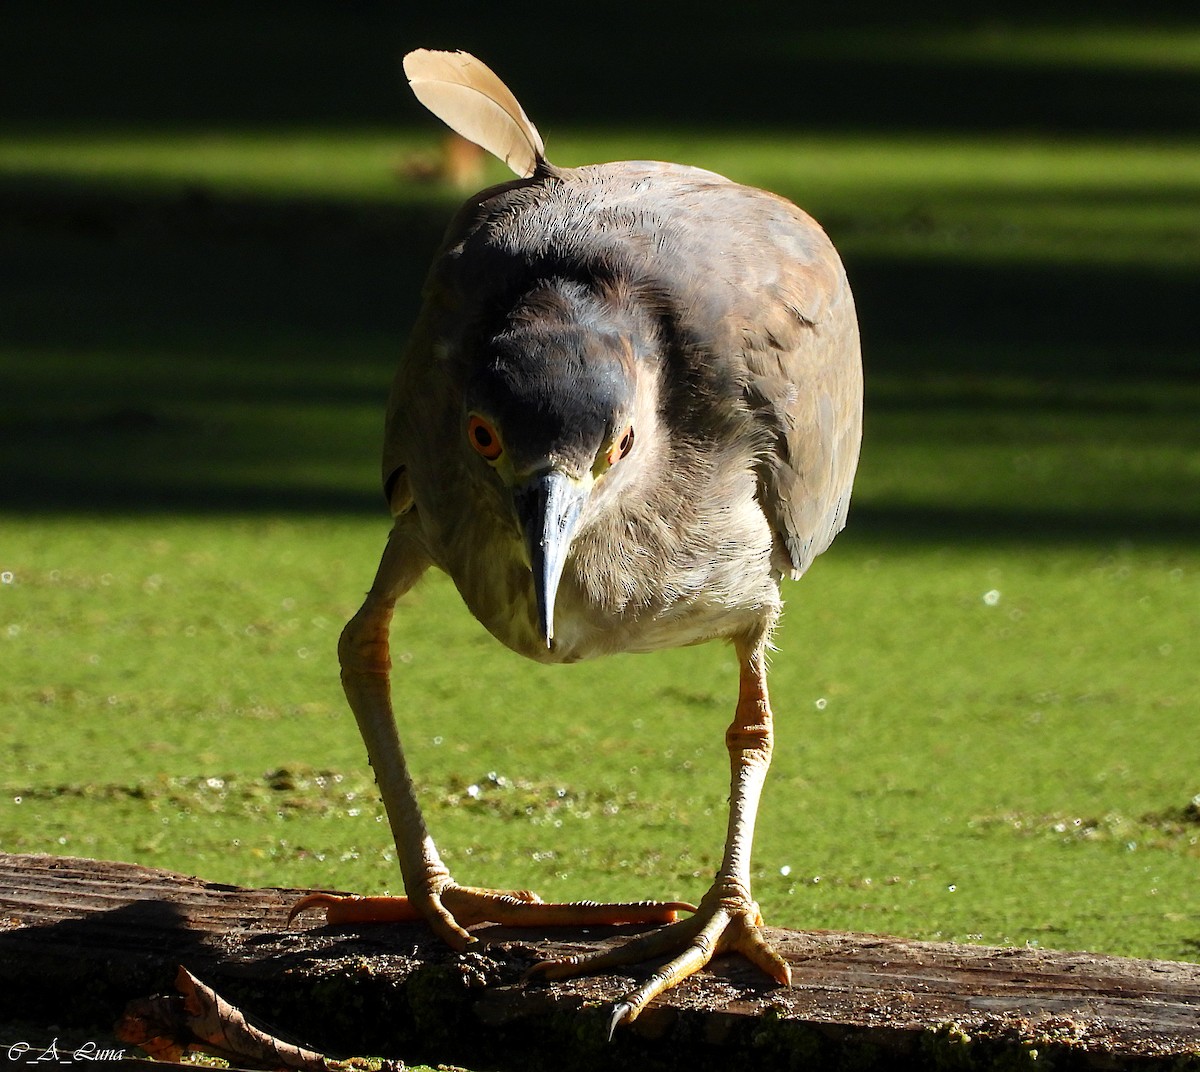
{"x": 554, "y": 415}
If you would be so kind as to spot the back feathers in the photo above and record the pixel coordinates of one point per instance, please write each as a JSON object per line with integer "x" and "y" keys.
{"x": 468, "y": 97}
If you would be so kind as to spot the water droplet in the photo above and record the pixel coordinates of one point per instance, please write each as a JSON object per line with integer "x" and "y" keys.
{"x": 991, "y": 597}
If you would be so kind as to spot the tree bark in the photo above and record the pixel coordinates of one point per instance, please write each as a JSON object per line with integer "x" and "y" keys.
{"x": 79, "y": 939}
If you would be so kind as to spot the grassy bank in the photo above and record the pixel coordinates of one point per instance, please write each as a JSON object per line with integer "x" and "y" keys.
{"x": 981, "y": 743}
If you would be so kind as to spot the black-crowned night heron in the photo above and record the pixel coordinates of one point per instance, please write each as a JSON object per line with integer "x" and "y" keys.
{"x": 631, "y": 404}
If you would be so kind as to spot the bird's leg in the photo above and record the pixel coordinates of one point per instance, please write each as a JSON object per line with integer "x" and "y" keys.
{"x": 728, "y": 919}
{"x": 364, "y": 654}
{"x": 432, "y": 894}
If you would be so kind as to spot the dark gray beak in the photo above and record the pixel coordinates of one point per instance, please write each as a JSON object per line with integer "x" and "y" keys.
{"x": 548, "y": 507}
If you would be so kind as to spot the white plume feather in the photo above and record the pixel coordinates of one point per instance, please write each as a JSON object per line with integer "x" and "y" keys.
{"x": 467, "y": 96}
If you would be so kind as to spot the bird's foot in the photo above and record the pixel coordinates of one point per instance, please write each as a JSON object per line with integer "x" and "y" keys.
{"x": 720, "y": 925}
{"x": 453, "y": 908}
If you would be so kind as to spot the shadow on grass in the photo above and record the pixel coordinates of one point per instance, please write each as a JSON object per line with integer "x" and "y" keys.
{"x": 190, "y": 352}
{"x": 137, "y": 63}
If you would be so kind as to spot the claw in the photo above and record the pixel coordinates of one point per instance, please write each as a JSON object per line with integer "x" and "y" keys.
{"x": 620, "y": 1011}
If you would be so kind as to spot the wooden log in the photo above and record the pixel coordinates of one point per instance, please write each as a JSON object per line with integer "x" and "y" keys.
{"x": 81, "y": 938}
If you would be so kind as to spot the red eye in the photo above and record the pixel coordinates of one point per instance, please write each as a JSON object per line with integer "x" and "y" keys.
{"x": 484, "y": 439}
{"x": 622, "y": 447}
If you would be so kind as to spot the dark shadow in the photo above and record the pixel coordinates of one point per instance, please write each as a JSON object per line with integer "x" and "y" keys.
{"x": 1019, "y": 318}
{"x": 82, "y": 972}
{"x": 60, "y": 972}
{"x": 771, "y": 66}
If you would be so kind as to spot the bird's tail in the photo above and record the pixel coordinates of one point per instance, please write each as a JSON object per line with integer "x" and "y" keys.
{"x": 467, "y": 96}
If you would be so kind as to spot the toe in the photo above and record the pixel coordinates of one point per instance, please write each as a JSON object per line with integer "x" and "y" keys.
{"x": 657, "y": 943}
{"x": 347, "y": 908}
{"x": 745, "y": 937}
{"x": 690, "y": 944}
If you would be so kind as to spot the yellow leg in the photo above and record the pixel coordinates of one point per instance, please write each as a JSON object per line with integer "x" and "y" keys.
{"x": 432, "y": 893}
{"x": 728, "y": 919}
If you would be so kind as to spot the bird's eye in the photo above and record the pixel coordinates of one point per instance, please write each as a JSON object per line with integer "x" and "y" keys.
{"x": 622, "y": 447}
{"x": 484, "y": 439}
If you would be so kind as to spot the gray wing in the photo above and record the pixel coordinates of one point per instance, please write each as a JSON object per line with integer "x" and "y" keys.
{"x": 763, "y": 291}
{"x": 802, "y": 381}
